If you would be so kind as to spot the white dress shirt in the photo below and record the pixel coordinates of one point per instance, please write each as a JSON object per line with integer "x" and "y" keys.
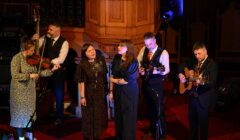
{"x": 63, "y": 52}
{"x": 164, "y": 60}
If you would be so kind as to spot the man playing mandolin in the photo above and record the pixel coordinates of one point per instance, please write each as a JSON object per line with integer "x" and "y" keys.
{"x": 202, "y": 92}
{"x": 153, "y": 66}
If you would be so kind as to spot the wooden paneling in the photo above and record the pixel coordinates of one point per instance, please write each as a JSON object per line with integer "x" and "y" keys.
{"x": 93, "y": 11}
{"x": 143, "y": 12}
{"x": 116, "y": 13}
{"x": 75, "y": 37}
{"x": 130, "y": 15}
{"x": 109, "y": 21}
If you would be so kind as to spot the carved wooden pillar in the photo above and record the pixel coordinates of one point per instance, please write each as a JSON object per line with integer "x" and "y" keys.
{"x": 109, "y": 21}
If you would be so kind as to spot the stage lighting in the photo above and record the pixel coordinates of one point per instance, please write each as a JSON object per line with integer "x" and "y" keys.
{"x": 168, "y": 15}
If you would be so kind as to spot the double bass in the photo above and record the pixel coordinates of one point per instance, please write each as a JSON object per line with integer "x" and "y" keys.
{"x": 44, "y": 100}
{"x": 37, "y": 59}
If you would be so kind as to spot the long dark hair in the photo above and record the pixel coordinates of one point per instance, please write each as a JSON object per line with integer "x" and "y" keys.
{"x": 130, "y": 54}
{"x": 84, "y": 49}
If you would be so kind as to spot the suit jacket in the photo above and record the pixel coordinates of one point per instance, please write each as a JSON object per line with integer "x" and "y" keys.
{"x": 206, "y": 92}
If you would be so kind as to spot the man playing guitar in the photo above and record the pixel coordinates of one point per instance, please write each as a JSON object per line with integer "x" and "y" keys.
{"x": 202, "y": 94}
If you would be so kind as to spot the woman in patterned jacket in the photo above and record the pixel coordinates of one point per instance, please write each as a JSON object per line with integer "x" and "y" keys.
{"x": 23, "y": 89}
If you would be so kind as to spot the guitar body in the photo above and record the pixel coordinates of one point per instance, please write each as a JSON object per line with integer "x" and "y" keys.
{"x": 187, "y": 85}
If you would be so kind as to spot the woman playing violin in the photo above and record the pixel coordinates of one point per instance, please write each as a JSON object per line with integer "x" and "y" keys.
{"x": 22, "y": 89}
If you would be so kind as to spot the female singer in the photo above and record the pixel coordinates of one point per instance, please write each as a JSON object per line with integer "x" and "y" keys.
{"x": 124, "y": 91}
{"x": 91, "y": 77}
{"x": 23, "y": 89}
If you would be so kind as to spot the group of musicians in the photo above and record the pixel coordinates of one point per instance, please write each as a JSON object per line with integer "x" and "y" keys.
{"x": 151, "y": 65}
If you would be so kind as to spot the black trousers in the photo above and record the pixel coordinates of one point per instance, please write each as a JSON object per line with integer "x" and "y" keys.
{"x": 152, "y": 90}
{"x": 56, "y": 84}
{"x": 198, "y": 119}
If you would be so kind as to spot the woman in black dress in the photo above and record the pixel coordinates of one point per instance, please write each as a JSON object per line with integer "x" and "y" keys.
{"x": 91, "y": 77}
{"x": 124, "y": 91}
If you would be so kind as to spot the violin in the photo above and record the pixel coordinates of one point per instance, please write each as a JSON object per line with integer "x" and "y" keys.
{"x": 36, "y": 60}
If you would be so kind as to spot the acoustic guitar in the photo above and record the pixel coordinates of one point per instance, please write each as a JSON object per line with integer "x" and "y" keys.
{"x": 191, "y": 80}
{"x": 187, "y": 85}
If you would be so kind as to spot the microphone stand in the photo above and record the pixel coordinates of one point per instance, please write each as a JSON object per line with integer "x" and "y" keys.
{"x": 31, "y": 120}
{"x": 158, "y": 122}
{"x": 159, "y": 130}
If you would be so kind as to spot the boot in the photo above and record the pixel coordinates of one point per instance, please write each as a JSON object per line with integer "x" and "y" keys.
{"x": 21, "y": 138}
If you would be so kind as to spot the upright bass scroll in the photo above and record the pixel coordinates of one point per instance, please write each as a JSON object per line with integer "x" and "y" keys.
{"x": 36, "y": 59}
{"x": 36, "y": 17}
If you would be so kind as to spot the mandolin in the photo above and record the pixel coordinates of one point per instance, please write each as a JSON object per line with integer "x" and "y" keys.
{"x": 150, "y": 67}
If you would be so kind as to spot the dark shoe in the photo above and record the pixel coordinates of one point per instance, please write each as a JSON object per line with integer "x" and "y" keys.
{"x": 96, "y": 138}
{"x": 71, "y": 108}
{"x": 86, "y": 138}
{"x": 58, "y": 122}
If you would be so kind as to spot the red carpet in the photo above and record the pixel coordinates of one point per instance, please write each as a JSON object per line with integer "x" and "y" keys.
{"x": 222, "y": 125}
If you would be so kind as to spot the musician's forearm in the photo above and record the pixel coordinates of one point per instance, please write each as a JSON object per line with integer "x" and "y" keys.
{"x": 119, "y": 81}
{"x": 81, "y": 87}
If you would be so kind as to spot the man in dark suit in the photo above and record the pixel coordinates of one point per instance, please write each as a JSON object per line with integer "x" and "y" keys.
{"x": 203, "y": 72}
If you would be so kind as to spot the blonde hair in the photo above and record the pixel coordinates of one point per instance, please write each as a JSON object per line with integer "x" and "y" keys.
{"x": 27, "y": 44}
